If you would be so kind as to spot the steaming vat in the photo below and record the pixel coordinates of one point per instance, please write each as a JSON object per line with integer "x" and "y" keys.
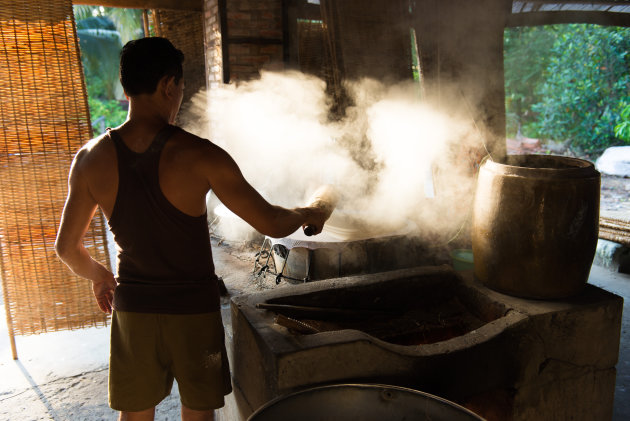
{"x": 345, "y": 247}
{"x": 535, "y": 225}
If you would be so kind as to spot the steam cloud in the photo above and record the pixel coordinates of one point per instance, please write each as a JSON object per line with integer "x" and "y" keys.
{"x": 382, "y": 156}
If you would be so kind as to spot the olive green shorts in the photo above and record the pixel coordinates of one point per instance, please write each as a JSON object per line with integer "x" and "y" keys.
{"x": 149, "y": 350}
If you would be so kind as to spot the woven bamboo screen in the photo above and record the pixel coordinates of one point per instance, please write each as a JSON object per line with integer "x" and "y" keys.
{"x": 185, "y": 30}
{"x": 615, "y": 226}
{"x": 45, "y": 120}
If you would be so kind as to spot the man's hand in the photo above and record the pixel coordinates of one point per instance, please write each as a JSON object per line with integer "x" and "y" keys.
{"x": 104, "y": 294}
{"x": 316, "y": 215}
{"x": 321, "y": 206}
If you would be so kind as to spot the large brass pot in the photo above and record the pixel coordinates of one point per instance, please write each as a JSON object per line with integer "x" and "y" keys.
{"x": 364, "y": 402}
{"x": 535, "y": 225}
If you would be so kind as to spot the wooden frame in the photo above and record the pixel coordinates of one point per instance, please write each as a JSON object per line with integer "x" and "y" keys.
{"x": 192, "y": 5}
{"x": 566, "y": 16}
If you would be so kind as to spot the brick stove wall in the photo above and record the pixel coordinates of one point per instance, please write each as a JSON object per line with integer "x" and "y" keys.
{"x": 249, "y": 36}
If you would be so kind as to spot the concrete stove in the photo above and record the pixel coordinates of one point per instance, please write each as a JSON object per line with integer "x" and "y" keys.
{"x": 508, "y": 358}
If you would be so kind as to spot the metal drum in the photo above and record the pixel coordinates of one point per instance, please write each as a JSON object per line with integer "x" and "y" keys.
{"x": 365, "y": 402}
{"x": 535, "y": 225}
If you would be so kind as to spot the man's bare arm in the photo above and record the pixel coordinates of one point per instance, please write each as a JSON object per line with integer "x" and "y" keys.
{"x": 75, "y": 221}
{"x": 229, "y": 185}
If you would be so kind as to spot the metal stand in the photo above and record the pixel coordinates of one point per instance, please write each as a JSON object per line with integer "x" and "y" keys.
{"x": 265, "y": 263}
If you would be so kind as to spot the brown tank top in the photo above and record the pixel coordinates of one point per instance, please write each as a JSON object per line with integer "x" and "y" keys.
{"x": 164, "y": 255}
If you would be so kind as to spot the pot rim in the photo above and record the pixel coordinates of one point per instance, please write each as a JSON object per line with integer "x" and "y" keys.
{"x": 365, "y": 389}
{"x": 575, "y": 167}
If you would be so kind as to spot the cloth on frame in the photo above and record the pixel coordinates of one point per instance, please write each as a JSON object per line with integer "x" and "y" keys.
{"x": 148, "y": 350}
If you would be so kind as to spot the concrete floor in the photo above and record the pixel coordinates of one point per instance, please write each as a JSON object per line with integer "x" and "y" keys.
{"x": 65, "y": 357}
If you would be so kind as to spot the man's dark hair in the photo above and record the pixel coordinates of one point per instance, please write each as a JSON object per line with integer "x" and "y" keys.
{"x": 143, "y": 62}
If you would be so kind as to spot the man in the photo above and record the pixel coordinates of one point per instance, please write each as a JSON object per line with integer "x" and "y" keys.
{"x": 150, "y": 179}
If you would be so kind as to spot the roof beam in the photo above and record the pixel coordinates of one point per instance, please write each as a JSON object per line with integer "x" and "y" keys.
{"x": 194, "y": 5}
{"x": 555, "y": 17}
{"x": 611, "y": 3}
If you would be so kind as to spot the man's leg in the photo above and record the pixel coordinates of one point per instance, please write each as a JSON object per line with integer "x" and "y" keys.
{"x": 146, "y": 415}
{"x": 192, "y": 415}
{"x": 198, "y": 361}
{"x": 138, "y": 374}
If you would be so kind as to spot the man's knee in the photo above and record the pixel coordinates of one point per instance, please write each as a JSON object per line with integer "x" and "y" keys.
{"x": 146, "y": 415}
{"x": 193, "y": 415}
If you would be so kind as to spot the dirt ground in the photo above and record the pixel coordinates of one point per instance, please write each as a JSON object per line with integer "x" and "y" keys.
{"x": 84, "y": 396}
{"x": 615, "y": 193}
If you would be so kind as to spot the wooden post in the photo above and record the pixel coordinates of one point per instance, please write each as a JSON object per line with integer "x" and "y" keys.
{"x": 11, "y": 334}
{"x": 9, "y": 320}
{"x": 7, "y": 309}
{"x": 145, "y": 23}
{"x": 156, "y": 22}
{"x": 461, "y": 47}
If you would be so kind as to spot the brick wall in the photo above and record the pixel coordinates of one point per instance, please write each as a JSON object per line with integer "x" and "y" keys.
{"x": 252, "y": 36}
{"x": 212, "y": 43}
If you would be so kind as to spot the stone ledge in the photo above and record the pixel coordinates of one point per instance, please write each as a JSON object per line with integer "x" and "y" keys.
{"x": 612, "y": 256}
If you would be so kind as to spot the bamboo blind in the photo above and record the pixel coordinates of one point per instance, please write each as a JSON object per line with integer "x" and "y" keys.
{"x": 615, "y": 226}
{"x": 45, "y": 120}
{"x": 185, "y": 30}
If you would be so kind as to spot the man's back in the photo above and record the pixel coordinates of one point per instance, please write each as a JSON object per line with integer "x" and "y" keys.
{"x": 181, "y": 170}
{"x": 164, "y": 255}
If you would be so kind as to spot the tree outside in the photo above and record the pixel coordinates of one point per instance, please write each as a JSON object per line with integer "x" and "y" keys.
{"x": 569, "y": 83}
{"x": 102, "y": 31}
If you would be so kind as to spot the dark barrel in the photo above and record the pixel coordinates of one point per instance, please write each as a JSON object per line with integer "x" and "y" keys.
{"x": 365, "y": 402}
{"x": 535, "y": 225}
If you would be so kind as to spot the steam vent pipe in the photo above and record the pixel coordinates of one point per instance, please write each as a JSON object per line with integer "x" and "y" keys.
{"x": 535, "y": 225}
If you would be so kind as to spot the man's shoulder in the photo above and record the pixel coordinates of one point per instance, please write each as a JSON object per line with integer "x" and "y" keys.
{"x": 95, "y": 150}
{"x": 95, "y": 145}
{"x": 190, "y": 140}
{"x": 201, "y": 152}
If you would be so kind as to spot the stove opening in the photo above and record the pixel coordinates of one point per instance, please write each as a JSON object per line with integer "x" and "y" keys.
{"x": 405, "y": 313}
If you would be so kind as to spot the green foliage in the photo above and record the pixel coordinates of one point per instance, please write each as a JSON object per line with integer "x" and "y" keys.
{"x": 102, "y": 32}
{"x": 100, "y": 51}
{"x": 96, "y": 22}
{"x": 587, "y": 83}
{"x": 622, "y": 130}
{"x": 128, "y": 22}
{"x": 84, "y": 12}
{"x": 527, "y": 52}
{"x": 106, "y": 113}
{"x": 568, "y": 82}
